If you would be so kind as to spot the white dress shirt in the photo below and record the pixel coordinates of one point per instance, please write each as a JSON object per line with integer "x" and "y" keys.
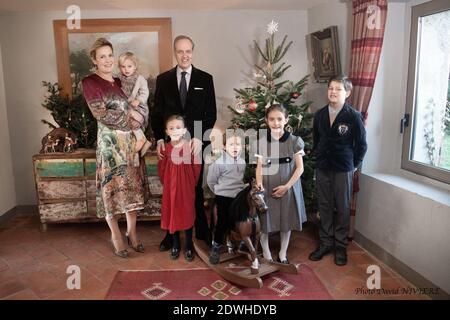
{"x": 187, "y": 76}
{"x": 188, "y": 79}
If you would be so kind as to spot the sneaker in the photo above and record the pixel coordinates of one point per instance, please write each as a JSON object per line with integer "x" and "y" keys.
{"x": 319, "y": 253}
{"x": 243, "y": 247}
{"x": 214, "y": 257}
{"x": 340, "y": 256}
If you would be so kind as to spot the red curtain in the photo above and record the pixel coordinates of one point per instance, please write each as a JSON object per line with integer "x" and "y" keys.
{"x": 369, "y": 20}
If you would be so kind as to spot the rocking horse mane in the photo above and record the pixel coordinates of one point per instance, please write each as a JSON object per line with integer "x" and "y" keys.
{"x": 239, "y": 208}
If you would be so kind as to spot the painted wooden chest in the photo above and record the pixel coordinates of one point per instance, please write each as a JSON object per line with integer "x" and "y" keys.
{"x": 65, "y": 187}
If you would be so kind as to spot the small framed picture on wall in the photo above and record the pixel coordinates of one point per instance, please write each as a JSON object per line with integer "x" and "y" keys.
{"x": 326, "y": 60}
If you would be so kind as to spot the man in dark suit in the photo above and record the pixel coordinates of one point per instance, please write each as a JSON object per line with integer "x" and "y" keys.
{"x": 187, "y": 91}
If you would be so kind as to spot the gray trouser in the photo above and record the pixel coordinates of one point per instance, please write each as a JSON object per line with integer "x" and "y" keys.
{"x": 334, "y": 191}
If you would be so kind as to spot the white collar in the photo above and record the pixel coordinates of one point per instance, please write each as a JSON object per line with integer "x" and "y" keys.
{"x": 188, "y": 70}
{"x": 333, "y": 111}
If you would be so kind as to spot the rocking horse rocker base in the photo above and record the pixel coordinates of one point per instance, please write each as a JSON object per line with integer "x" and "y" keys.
{"x": 245, "y": 277}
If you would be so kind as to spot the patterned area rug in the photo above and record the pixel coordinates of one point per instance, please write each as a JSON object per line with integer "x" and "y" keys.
{"x": 205, "y": 284}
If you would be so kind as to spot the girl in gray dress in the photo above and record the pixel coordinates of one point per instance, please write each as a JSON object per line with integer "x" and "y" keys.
{"x": 279, "y": 168}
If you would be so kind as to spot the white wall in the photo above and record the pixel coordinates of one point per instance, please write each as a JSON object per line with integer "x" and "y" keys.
{"x": 223, "y": 48}
{"x": 330, "y": 14}
{"x": 393, "y": 213}
{"x": 7, "y": 188}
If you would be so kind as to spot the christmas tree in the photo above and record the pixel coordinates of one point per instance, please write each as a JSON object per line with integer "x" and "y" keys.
{"x": 72, "y": 114}
{"x": 252, "y": 102}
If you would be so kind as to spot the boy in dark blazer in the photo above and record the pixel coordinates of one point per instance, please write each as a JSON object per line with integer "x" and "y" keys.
{"x": 339, "y": 145}
{"x": 187, "y": 91}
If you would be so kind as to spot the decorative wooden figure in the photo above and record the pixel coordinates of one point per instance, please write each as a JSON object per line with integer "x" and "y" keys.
{"x": 58, "y": 140}
{"x": 69, "y": 143}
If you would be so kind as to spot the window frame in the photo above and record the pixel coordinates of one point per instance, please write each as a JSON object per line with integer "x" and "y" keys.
{"x": 420, "y": 168}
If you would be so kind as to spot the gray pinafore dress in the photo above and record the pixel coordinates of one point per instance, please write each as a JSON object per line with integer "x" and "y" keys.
{"x": 286, "y": 213}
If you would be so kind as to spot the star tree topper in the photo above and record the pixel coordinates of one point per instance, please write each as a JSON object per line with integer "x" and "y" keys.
{"x": 272, "y": 27}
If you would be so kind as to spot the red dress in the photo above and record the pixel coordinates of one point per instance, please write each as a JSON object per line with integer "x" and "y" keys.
{"x": 179, "y": 175}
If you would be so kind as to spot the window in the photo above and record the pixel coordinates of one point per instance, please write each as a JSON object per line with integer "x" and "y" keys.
{"x": 426, "y": 144}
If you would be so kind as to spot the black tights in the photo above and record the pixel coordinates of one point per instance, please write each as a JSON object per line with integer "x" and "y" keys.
{"x": 188, "y": 239}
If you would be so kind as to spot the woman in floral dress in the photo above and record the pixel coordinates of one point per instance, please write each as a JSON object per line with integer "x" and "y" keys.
{"x": 120, "y": 174}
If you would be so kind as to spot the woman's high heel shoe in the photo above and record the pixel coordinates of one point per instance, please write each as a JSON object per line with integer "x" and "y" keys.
{"x": 138, "y": 248}
{"x": 120, "y": 253}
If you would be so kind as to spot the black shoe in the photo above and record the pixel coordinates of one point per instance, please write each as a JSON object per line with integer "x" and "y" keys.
{"x": 214, "y": 256}
{"x": 166, "y": 244}
{"x": 175, "y": 253}
{"x": 319, "y": 253}
{"x": 285, "y": 261}
{"x": 243, "y": 247}
{"x": 340, "y": 256}
{"x": 189, "y": 255}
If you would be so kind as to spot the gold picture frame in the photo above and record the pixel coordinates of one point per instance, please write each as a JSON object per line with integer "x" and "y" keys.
{"x": 325, "y": 54}
{"x": 150, "y": 37}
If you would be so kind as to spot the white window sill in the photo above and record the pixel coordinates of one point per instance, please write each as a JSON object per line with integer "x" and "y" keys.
{"x": 420, "y": 188}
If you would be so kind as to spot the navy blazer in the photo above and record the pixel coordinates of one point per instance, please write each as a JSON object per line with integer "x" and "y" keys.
{"x": 342, "y": 146}
{"x": 200, "y": 102}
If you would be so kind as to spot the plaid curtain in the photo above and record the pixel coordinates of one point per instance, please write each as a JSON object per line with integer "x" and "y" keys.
{"x": 369, "y": 20}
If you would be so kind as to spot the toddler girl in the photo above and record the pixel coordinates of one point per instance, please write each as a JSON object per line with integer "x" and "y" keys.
{"x": 135, "y": 87}
{"x": 179, "y": 174}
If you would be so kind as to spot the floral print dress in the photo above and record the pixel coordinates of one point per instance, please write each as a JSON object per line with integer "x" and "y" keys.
{"x": 120, "y": 173}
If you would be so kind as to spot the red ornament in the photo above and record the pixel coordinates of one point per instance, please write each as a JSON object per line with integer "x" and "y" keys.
{"x": 295, "y": 94}
{"x": 252, "y": 105}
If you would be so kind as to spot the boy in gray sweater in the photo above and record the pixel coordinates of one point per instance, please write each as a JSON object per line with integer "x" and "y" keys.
{"x": 225, "y": 179}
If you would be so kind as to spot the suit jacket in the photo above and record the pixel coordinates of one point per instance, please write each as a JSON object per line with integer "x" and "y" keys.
{"x": 342, "y": 146}
{"x": 200, "y": 102}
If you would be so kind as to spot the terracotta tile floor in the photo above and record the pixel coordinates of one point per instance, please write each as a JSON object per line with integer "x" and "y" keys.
{"x": 33, "y": 264}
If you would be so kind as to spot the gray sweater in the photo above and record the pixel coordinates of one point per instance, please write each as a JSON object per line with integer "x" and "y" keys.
{"x": 225, "y": 176}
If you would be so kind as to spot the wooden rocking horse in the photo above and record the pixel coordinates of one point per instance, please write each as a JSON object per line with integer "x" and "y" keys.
{"x": 244, "y": 226}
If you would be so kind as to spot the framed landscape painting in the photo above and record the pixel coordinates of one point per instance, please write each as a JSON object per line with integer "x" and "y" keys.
{"x": 150, "y": 39}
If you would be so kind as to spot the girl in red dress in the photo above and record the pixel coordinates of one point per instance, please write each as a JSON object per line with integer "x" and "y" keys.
{"x": 179, "y": 172}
